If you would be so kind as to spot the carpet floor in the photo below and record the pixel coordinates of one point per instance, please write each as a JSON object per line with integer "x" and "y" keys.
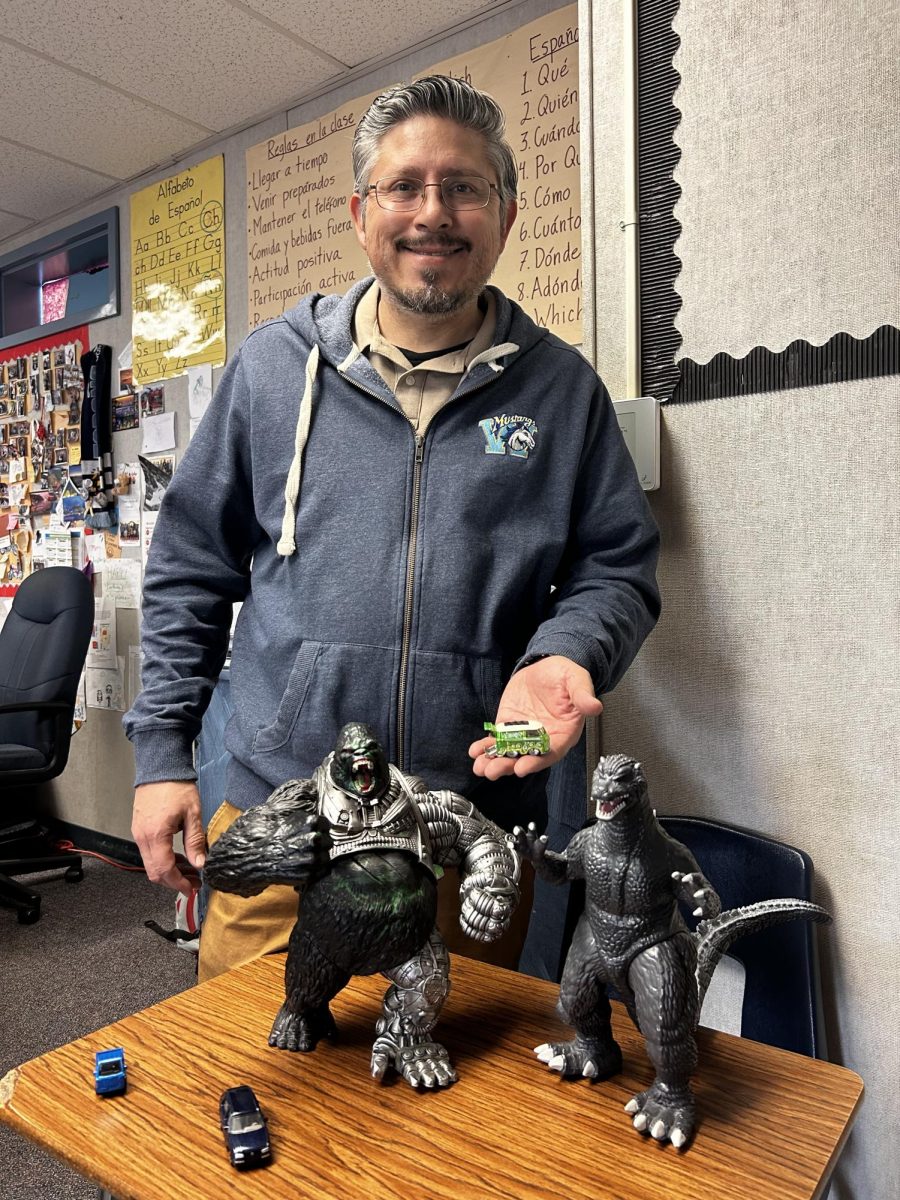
{"x": 89, "y": 961}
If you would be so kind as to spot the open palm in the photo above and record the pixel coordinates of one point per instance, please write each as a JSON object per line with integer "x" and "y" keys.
{"x": 554, "y": 691}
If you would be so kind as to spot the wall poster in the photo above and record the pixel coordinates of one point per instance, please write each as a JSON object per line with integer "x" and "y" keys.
{"x": 300, "y": 238}
{"x": 178, "y": 272}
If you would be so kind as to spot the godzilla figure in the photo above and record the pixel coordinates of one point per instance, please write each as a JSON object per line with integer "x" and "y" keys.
{"x": 364, "y": 844}
{"x": 632, "y": 937}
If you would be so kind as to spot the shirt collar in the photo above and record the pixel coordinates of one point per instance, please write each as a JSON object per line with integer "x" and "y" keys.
{"x": 368, "y": 337}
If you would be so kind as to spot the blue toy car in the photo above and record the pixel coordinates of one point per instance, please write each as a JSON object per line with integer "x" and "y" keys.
{"x": 244, "y": 1127}
{"x": 110, "y": 1072}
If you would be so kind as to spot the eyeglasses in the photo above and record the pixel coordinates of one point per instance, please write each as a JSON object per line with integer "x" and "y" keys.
{"x": 407, "y": 194}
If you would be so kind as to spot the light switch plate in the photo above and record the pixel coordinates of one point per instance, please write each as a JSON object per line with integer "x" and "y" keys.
{"x": 639, "y": 422}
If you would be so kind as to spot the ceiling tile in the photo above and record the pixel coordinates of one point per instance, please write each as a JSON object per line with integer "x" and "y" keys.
{"x": 11, "y": 224}
{"x": 38, "y": 101}
{"x": 207, "y": 61}
{"x": 41, "y": 186}
{"x": 355, "y": 33}
{"x": 107, "y": 90}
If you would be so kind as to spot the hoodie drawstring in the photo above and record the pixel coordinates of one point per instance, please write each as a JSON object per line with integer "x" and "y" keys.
{"x": 286, "y": 543}
{"x": 490, "y": 356}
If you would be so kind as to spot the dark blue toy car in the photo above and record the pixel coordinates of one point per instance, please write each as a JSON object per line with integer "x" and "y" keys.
{"x": 244, "y": 1127}
{"x": 110, "y": 1072}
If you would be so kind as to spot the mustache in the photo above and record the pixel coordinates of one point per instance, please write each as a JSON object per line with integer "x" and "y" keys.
{"x": 442, "y": 240}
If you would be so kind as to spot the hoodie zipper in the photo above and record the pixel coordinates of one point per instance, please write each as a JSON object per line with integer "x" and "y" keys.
{"x": 409, "y": 594}
{"x": 408, "y": 598}
{"x": 409, "y": 591}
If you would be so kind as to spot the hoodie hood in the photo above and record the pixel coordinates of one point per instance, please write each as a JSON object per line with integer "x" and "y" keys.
{"x": 326, "y": 324}
{"x": 327, "y": 321}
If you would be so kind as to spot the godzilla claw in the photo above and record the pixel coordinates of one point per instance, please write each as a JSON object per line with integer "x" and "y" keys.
{"x": 664, "y": 1113}
{"x": 528, "y": 843}
{"x": 585, "y": 1058}
{"x": 696, "y": 890}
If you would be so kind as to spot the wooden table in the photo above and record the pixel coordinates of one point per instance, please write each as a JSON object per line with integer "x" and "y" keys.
{"x": 772, "y": 1124}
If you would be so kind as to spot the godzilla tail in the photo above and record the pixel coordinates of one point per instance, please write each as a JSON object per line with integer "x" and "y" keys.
{"x": 714, "y": 936}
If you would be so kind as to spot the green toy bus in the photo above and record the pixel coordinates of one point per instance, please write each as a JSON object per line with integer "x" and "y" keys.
{"x": 515, "y": 738}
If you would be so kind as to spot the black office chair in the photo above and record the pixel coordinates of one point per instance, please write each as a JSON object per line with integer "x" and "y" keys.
{"x": 43, "y": 644}
{"x": 781, "y": 1003}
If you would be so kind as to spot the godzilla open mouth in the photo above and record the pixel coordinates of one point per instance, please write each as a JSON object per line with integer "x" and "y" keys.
{"x": 607, "y": 809}
{"x": 362, "y": 774}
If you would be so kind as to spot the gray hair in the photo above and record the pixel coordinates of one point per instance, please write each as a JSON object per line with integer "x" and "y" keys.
{"x": 435, "y": 96}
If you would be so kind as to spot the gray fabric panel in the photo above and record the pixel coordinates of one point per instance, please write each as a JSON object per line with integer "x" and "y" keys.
{"x": 789, "y": 172}
{"x": 767, "y": 696}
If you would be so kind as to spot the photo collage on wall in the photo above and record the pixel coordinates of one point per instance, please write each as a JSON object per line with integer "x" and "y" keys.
{"x": 52, "y": 512}
{"x": 41, "y": 504}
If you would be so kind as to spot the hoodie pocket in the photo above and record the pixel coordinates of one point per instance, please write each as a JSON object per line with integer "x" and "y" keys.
{"x": 330, "y": 684}
{"x": 452, "y": 696}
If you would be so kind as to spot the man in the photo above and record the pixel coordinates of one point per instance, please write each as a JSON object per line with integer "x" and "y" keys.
{"x": 425, "y": 505}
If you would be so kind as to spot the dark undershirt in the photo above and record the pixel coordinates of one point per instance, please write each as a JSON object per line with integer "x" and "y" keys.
{"x": 417, "y": 357}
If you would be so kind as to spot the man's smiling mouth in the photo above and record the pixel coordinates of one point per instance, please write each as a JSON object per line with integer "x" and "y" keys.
{"x": 430, "y": 251}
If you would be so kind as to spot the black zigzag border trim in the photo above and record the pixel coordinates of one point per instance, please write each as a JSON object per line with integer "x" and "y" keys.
{"x": 801, "y": 364}
{"x": 658, "y": 194}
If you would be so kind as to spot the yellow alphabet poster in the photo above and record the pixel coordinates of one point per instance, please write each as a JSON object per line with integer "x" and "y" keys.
{"x": 299, "y": 235}
{"x": 178, "y": 272}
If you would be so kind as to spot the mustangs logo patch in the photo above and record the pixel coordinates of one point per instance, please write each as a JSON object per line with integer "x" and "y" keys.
{"x": 509, "y": 434}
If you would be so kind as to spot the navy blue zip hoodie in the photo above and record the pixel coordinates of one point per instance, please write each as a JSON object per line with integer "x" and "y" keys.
{"x": 385, "y": 578}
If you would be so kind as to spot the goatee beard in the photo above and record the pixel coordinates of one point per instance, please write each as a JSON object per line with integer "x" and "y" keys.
{"x": 430, "y": 299}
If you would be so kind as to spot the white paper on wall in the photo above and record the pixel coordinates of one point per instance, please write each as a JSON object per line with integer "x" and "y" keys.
{"x": 129, "y": 520}
{"x": 199, "y": 390}
{"x": 158, "y": 433}
{"x": 95, "y": 547}
{"x": 148, "y": 524}
{"x": 122, "y": 582}
{"x": 106, "y": 688}
{"x": 102, "y": 648}
{"x": 80, "y": 714}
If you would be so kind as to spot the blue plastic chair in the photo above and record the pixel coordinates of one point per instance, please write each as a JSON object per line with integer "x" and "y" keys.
{"x": 782, "y": 989}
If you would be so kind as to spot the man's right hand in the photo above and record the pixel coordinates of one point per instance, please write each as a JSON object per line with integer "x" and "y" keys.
{"x": 160, "y": 811}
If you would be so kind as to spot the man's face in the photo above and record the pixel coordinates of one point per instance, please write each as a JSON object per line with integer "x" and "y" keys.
{"x": 434, "y": 260}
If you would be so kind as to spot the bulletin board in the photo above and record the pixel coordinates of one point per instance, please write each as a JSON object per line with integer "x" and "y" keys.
{"x": 41, "y": 509}
{"x": 178, "y": 272}
{"x": 776, "y": 128}
{"x": 300, "y": 238}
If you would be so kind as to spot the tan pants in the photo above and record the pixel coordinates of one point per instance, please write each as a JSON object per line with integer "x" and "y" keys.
{"x": 237, "y": 929}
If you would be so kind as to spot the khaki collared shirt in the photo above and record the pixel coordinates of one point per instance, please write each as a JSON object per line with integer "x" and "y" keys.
{"x": 424, "y": 390}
